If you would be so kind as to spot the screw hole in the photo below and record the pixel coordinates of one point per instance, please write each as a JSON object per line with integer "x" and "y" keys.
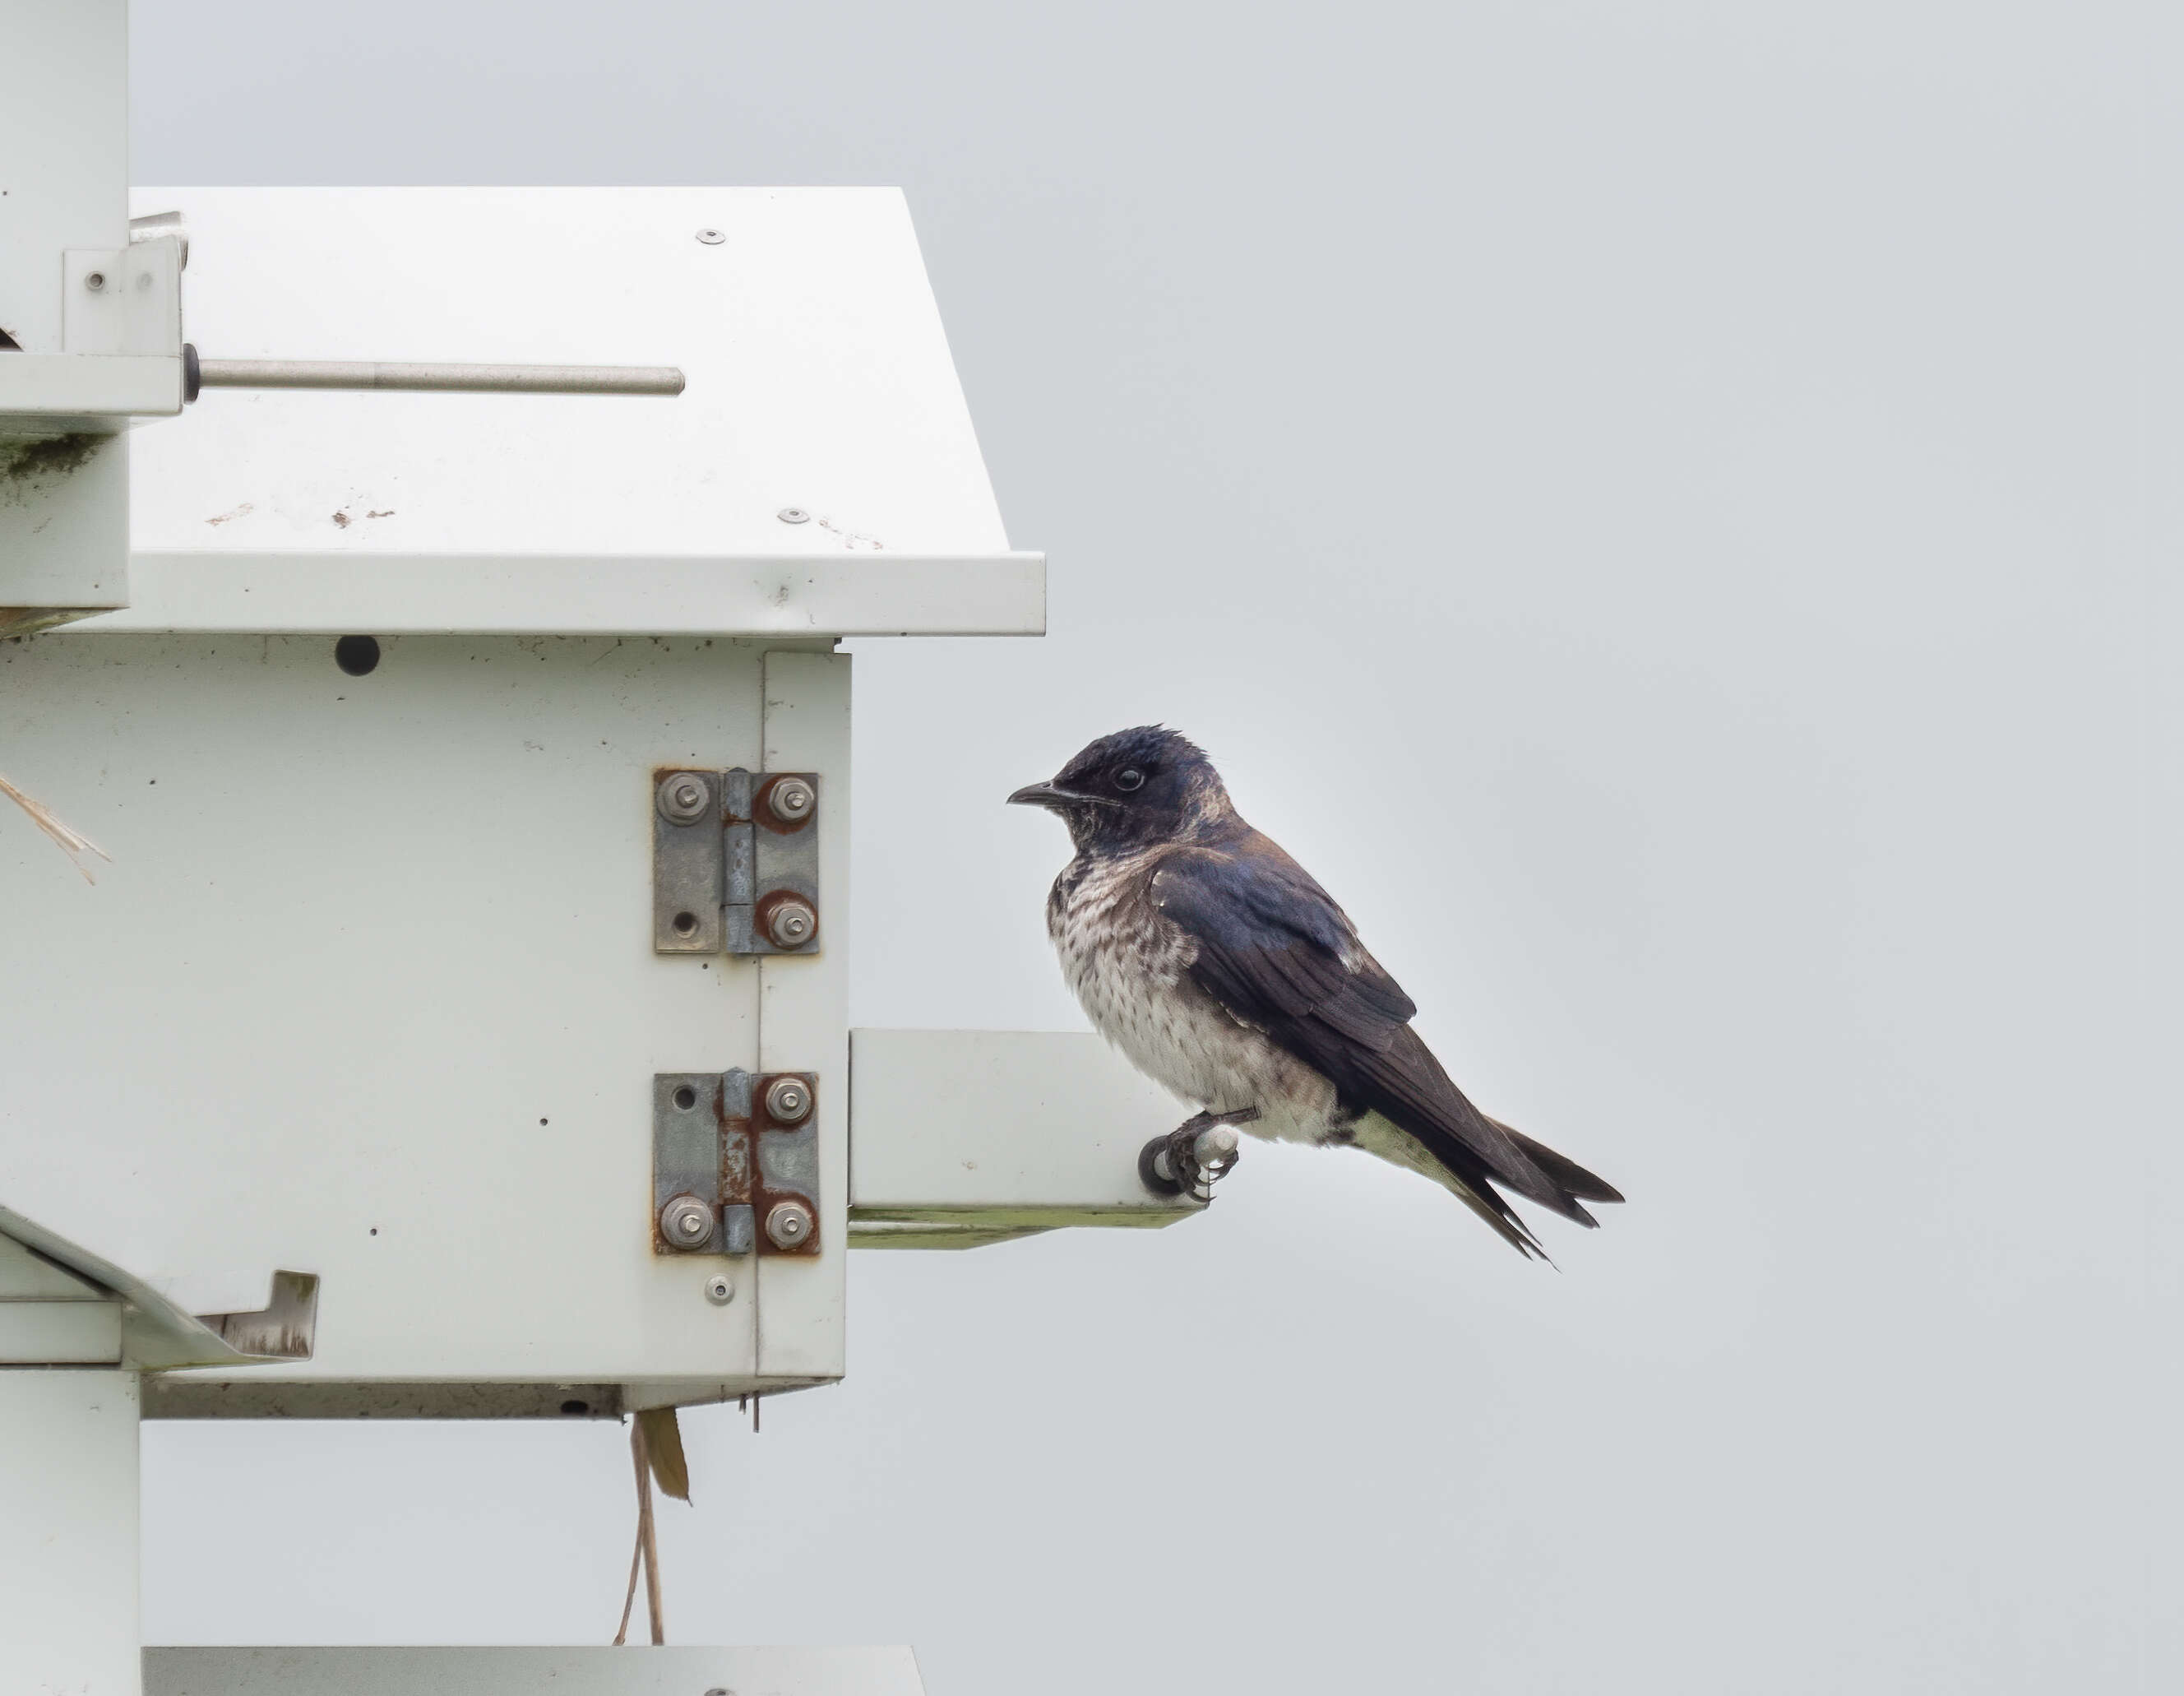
{"x": 685, "y": 923}
{"x": 685, "y": 1098}
{"x": 575, "y": 1406}
{"x": 357, "y": 656}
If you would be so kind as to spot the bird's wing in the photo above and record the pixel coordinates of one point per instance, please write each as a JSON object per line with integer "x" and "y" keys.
{"x": 1275, "y": 951}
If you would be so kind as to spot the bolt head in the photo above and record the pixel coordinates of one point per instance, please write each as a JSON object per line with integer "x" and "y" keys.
{"x": 790, "y": 799}
{"x": 791, "y": 923}
{"x": 788, "y": 1224}
{"x": 685, "y": 1222}
{"x": 787, "y": 1101}
{"x": 684, "y": 797}
{"x": 720, "y": 1290}
{"x": 793, "y": 515}
{"x": 711, "y": 238}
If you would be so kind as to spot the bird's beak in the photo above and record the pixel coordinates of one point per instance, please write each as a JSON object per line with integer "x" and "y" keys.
{"x": 1041, "y": 795}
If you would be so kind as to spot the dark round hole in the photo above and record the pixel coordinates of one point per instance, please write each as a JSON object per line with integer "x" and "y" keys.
{"x": 357, "y": 656}
{"x": 575, "y": 1406}
{"x": 685, "y": 1098}
{"x": 685, "y": 923}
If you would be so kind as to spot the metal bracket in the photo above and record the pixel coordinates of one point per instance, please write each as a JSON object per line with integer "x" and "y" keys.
{"x": 735, "y": 1162}
{"x": 735, "y": 862}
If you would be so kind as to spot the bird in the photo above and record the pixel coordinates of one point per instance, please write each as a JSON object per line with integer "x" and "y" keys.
{"x": 1225, "y": 973}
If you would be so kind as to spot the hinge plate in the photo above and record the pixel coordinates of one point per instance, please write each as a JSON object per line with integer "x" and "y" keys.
{"x": 735, "y": 862}
{"x": 721, "y": 1140}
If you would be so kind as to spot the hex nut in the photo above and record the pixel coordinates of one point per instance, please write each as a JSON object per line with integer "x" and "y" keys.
{"x": 791, "y": 923}
{"x": 720, "y": 1289}
{"x": 790, "y": 799}
{"x": 684, "y": 797}
{"x": 687, "y": 1223}
{"x": 788, "y": 1224}
{"x": 787, "y": 1101}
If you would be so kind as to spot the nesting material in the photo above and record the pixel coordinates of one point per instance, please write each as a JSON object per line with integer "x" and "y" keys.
{"x": 73, "y": 842}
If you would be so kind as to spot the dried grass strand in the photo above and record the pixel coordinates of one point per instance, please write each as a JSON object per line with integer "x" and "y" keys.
{"x": 71, "y": 841}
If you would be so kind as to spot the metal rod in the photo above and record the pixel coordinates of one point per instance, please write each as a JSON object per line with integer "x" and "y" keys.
{"x": 481, "y": 379}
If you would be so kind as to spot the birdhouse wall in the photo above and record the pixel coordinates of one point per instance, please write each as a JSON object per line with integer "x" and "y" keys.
{"x": 369, "y": 989}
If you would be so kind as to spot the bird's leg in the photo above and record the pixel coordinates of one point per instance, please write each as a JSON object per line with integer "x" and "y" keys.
{"x": 1190, "y": 1158}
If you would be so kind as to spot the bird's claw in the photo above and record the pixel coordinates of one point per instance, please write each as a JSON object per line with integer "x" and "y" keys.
{"x": 1190, "y": 1158}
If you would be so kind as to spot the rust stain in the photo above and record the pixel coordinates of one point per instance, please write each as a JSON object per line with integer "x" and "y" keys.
{"x": 343, "y": 520}
{"x": 241, "y": 512}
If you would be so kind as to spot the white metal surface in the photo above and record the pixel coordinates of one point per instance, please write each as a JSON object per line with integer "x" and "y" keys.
{"x": 804, "y": 1019}
{"x": 38, "y": 1263}
{"x": 68, "y": 1532}
{"x": 63, "y": 510}
{"x": 818, "y": 377}
{"x": 399, "y": 594}
{"x": 369, "y": 991}
{"x": 964, "y": 1136}
{"x": 673, "y": 1671}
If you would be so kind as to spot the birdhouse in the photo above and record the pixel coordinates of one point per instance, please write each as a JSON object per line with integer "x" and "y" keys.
{"x": 430, "y": 600}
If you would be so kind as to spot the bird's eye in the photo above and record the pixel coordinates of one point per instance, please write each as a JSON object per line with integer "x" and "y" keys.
{"x": 1129, "y": 778}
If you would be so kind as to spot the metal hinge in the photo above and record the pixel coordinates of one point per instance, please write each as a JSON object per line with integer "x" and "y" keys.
{"x": 735, "y": 1162}
{"x": 735, "y": 862}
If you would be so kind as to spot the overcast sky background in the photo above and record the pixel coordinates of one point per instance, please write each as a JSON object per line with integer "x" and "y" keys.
{"x": 1665, "y": 509}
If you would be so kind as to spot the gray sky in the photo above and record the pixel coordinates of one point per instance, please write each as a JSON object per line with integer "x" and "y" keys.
{"x": 1656, "y": 507}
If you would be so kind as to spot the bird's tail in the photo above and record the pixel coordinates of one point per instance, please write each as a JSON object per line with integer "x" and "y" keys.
{"x": 1573, "y": 1177}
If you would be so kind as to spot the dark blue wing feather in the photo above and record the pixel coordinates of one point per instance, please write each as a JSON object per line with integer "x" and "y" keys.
{"x": 1276, "y": 951}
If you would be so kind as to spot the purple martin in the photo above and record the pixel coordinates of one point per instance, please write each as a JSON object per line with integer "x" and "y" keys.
{"x": 1227, "y": 975}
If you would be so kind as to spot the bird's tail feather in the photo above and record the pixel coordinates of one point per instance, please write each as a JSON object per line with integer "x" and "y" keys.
{"x": 1586, "y": 1186}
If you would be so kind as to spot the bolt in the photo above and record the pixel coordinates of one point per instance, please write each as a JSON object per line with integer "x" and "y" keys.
{"x": 791, "y": 923}
{"x": 787, "y": 1101}
{"x": 685, "y": 1222}
{"x": 791, "y": 800}
{"x": 682, "y": 797}
{"x": 95, "y": 280}
{"x": 788, "y": 1224}
{"x": 793, "y": 515}
{"x": 720, "y": 1290}
{"x": 711, "y": 238}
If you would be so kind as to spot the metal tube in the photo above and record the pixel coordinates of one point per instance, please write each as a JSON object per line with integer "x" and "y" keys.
{"x": 480, "y": 379}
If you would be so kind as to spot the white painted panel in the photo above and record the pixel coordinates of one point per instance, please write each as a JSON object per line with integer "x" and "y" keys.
{"x": 1003, "y": 1127}
{"x": 65, "y": 95}
{"x": 68, "y": 1532}
{"x": 670, "y": 1670}
{"x": 27, "y": 1277}
{"x": 804, "y": 1017}
{"x": 369, "y": 989}
{"x": 819, "y": 377}
{"x": 64, "y": 1333}
{"x": 395, "y": 594}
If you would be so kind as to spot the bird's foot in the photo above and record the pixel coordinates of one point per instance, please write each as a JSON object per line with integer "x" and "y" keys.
{"x": 1188, "y": 1159}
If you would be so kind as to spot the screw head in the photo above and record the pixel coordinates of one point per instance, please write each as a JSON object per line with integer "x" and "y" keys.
{"x": 790, "y": 799}
{"x": 793, "y": 515}
{"x": 788, "y": 1224}
{"x": 720, "y": 1289}
{"x": 791, "y": 923}
{"x": 788, "y": 1101}
{"x": 711, "y": 238}
{"x": 683, "y": 796}
{"x": 685, "y": 1222}
{"x": 94, "y": 281}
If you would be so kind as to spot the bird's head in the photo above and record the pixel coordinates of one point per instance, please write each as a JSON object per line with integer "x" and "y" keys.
{"x": 1134, "y": 789}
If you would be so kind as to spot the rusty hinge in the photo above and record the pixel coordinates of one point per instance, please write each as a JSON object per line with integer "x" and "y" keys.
{"x": 735, "y": 1162}
{"x": 735, "y": 862}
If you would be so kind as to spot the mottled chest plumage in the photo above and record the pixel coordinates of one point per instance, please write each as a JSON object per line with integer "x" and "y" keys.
{"x": 1130, "y": 967}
